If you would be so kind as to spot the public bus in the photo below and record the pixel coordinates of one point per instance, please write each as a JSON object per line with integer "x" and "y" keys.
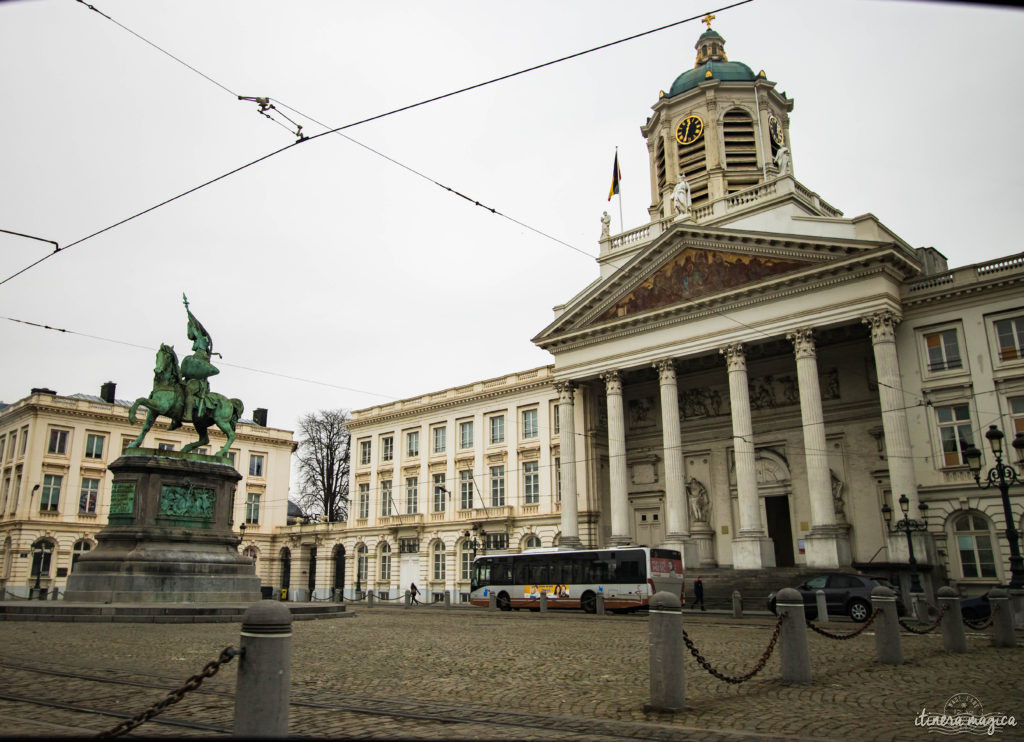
{"x": 627, "y": 577}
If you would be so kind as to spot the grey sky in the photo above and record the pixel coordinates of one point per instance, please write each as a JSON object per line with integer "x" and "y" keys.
{"x": 330, "y": 263}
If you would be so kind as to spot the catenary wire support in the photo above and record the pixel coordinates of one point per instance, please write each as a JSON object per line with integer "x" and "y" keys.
{"x": 264, "y": 106}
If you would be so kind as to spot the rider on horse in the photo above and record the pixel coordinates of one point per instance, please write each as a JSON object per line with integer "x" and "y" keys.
{"x": 196, "y": 369}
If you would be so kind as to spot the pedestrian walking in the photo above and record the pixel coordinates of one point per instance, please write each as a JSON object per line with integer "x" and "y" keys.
{"x": 413, "y": 592}
{"x": 698, "y": 593}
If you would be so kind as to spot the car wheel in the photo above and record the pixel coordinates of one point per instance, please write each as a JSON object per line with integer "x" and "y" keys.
{"x": 859, "y": 611}
{"x": 588, "y": 602}
{"x": 504, "y": 602}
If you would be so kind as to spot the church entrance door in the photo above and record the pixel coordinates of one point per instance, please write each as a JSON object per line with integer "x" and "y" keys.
{"x": 648, "y": 526}
{"x": 776, "y": 510}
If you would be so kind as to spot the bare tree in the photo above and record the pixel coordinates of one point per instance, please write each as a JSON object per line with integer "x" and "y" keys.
{"x": 323, "y": 456}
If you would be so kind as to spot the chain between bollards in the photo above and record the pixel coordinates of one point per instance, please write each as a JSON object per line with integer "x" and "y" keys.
{"x": 211, "y": 669}
{"x": 736, "y": 680}
{"x": 930, "y": 629}
{"x": 840, "y": 637}
{"x": 983, "y": 624}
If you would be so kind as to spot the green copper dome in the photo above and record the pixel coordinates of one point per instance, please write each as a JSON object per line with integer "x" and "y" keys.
{"x": 728, "y": 71}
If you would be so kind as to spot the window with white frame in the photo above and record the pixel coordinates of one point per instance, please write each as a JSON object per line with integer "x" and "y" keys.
{"x": 94, "y": 446}
{"x": 498, "y": 486}
{"x": 412, "y": 444}
{"x": 531, "y": 482}
{"x": 496, "y": 541}
{"x": 412, "y": 495}
{"x": 387, "y": 448}
{"x": 89, "y": 495}
{"x": 466, "y": 434}
{"x": 385, "y": 497}
{"x": 556, "y": 424}
{"x": 49, "y": 499}
{"x": 364, "y": 452}
{"x": 1010, "y": 337}
{"x": 165, "y": 446}
{"x": 530, "y": 429}
{"x": 558, "y": 479}
{"x": 385, "y": 562}
{"x": 497, "y": 423}
{"x": 943, "y": 350}
{"x": 974, "y": 544}
{"x": 439, "y": 438}
{"x": 439, "y": 560}
{"x": 252, "y": 508}
{"x": 58, "y": 444}
{"x": 466, "y": 489}
{"x": 440, "y": 493}
{"x": 466, "y": 560}
{"x": 362, "y": 565}
{"x": 531, "y": 542}
{"x": 364, "y": 500}
{"x": 954, "y": 432}
{"x": 81, "y": 546}
{"x": 1017, "y": 414}
{"x": 42, "y": 552}
{"x": 256, "y": 467}
{"x": 408, "y": 546}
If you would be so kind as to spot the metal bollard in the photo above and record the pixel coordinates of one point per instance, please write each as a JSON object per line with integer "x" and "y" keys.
{"x": 1002, "y": 619}
{"x": 953, "y": 637}
{"x": 263, "y": 689}
{"x": 796, "y": 658}
{"x": 408, "y": 598}
{"x": 822, "y": 605}
{"x": 737, "y": 604}
{"x": 447, "y": 599}
{"x": 668, "y": 681}
{"x": 887, "y": 627}
{"x": 543, "y": 601}
{"x": 599, "y": 604}
{"x": 492, "y": 602}
{"x": 369, "y": 600}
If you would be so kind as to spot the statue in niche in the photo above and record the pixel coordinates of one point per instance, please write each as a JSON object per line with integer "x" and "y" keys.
{"x": 782, "y": 160}
{"x": 700, "y": 503}
{"x": 606, "y": 225}
{"x": 681, "y": 198}
{"x": 837, "y": 495}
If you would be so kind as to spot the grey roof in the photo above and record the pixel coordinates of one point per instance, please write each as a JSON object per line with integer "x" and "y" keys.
{"x": 295, "y": 510}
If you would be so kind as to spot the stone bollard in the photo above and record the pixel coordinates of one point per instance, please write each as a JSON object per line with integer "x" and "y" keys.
{"x": 599, "y": 604}
{"x": 1002, "y": 619}
{"x": 737, "y": 604}
{"x": 408, "y": 598}
{"x": 543, "y": 601}
{"x": 369, "y": 600}
{"x": 447, "y": 599}
{"x": 1017, "y": 604}
{"x": 668, "y": 681}
{"x": 263, "y": 688}
{"x": 887, "y": 626}
{"x": 822, "y": 605}
{"x": 953, "y": 637}
{"x": 492, "y": 602}
{"x": 793, "y": 651}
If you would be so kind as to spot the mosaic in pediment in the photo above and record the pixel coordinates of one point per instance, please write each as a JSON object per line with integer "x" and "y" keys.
{"x": 694, "y": 273}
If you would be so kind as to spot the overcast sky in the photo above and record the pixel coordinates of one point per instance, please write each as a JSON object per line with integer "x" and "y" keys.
{"x": 329, "y": 263}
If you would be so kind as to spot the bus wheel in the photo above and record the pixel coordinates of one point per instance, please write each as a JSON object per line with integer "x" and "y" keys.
{"x": 588, "y": 602}
{"x": 504, "y": 603}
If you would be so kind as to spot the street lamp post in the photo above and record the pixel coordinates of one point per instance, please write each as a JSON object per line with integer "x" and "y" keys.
{"x": 908, "y": 526}
{"x": 1002, "y": 476}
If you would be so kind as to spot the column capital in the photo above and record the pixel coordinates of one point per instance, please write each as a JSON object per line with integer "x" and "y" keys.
{"x": 883, "y": 326}
{"x": 666, "y": 370}
{"x": 612, "y": 382}
{"x": 735, "y": 357}
{"x": 803, "y": 342}
{"x": 565, "y": 390}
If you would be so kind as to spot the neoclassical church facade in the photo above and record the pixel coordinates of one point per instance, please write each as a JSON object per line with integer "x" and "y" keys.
{"x": 750, "y": 378}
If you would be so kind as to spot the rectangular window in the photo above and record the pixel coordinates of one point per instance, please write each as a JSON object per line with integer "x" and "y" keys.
{"x": 466, "y": 565}
{"x": 408, "y": 546}
{"x": 385, "y": 567}
{"x": 466, "y": 434}
{"x": 412, "y": 495}
{"x": 440, "y": 436}
{"x": 954, "y": 432}
{"x": 94, "y": 446}
{"x": 412, "y": 444}
{"x": 943, "y": 350}
{"x": 439, "y": 565}
{"x": 531, "y": 482}
{"x": 440, "y": 493}
{"x": 14, "y": 440}
{"x": 556, "y": 424}
{"x": 252, "y": 508}
{"x": 530, "y": 424}
{"x": 385, "y": 497}
{"x": 50, "y": 497}
{"x": 165, "y": 446}
{"x": 466, "y": 489}
{"x": 558, "y": 479}
{"x": 1010, "y": 334}
{"x": 497, "y": 429}
{"x": 497, "y": 486}
{"x": 1017, "y": 414}
{"x": 497, "y": 541}
{"x": 387, "y": 448}
{"x": 231, "y": 457}
{"x": 58, "y": 442}
{"x": 3, "y": 444}
{"x": 90, "y": 493}
{"x": 24, "y": 441}
{"x": 255, "y": 465}
{"x": 364, "y": 452}
{"x": 364, "y": 500}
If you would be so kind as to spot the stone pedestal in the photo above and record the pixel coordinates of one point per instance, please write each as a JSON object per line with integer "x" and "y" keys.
{"x": 168, "y": 537}
{"x": 703, "y": 537}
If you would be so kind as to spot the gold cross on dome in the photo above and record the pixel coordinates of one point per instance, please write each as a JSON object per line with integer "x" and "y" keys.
{"x": 707, "y": 19}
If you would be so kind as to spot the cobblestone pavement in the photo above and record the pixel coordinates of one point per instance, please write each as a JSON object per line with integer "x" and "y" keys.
{"x": 427, "y": 673}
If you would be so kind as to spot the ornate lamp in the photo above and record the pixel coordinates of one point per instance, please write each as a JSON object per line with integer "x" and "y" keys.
{"x": 1002, "y": 476}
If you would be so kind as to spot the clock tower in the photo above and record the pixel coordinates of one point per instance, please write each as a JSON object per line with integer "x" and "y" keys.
{"x": 719, "y": 127}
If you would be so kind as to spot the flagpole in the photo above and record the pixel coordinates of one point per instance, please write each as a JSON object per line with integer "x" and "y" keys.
{"x": 622, "y": 227}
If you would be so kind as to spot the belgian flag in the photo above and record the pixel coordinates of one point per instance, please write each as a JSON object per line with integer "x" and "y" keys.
{"x": 616, "y": 177}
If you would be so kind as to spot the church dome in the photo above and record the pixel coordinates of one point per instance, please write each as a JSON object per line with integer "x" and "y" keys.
{"x": 728, "y": 71}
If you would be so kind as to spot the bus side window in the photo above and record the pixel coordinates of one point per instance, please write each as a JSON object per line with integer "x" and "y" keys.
{"x": 521, "y": 572}
{"x": 501, "y": 571}
{"x": 597, "y": 571}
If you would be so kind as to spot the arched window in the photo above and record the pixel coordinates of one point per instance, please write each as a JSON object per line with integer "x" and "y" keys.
{"x": 532, "y": 541}
{"x": 362, "y": 567}
{"x": 42, "y": 551}
{"x": 339, "y": 567}
{"x": 974, "y": 545}
{"x": 385, "y": 562}
{"x": 252, "y": 552}
{"x": 439, "y": 560}
{"x": 81, "y": 546}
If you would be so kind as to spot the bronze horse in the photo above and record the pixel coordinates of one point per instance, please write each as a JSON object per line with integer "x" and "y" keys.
{"x": 168, "y": 399}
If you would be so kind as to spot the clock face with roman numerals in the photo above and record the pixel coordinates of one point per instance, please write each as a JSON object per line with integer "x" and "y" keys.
{"x": 775, "y": 131}
{"x": 690, "y": 129}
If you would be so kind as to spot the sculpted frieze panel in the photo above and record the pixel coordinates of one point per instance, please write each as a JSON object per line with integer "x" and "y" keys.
{"x": 768, "y": 392}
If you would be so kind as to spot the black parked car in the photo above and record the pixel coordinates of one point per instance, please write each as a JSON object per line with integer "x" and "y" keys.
{"x": 975, "y": 610}
{"x": 845, "y": 594}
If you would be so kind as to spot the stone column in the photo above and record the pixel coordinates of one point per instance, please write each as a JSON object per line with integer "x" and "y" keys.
{"x": 616, "y": 459}
{"x": 894, "y": 415}
{"x": 570, "y": 524}
{"x": 750, "y": 547}
{"x": 676, "y": 514}
{"x": 823, "y": 542}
